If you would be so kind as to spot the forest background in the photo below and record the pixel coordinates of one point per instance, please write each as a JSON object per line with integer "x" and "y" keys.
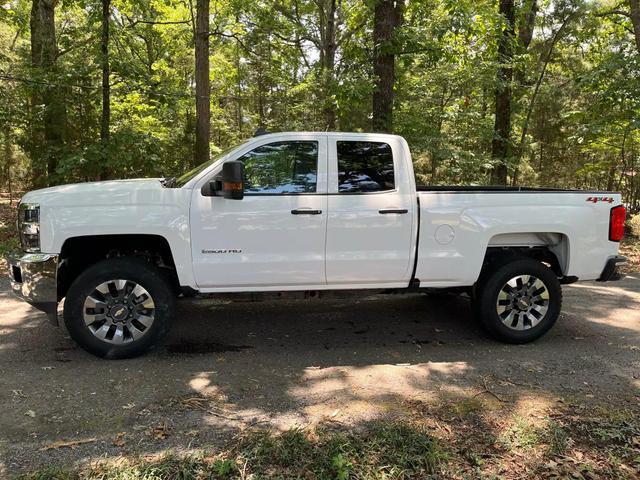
{"x": 507, "y": 92}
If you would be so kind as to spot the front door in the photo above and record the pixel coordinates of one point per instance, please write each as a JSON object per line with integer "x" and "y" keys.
{"x": 274, "y": 238}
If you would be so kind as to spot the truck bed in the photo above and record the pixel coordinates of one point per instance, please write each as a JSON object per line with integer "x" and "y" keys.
{"x": 458, "y": 224}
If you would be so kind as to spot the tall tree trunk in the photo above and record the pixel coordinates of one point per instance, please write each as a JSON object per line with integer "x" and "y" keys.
{"x": 203, "y": 106}
{"x": 435, "y": 147}
{"x": 526, "y": 26}
{"x": 328, "y": 62}
{"x": 105, "y": 119}
{"x": 527, "y": 23}
{"x": 501, "y": 144}
{"x": 635, "y": 20}
{"x": 387, "y": 17}
{"x": 544, "y": 62}
{"x": 44, "y": 52}
{"x": 261, "y": 95}
{"x": 239, "y": 117}
{"x": 8, "y": 162}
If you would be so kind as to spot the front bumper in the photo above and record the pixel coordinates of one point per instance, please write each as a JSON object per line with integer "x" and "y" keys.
{"x": 34, "y": 280}
{"x": 611, "y": 271}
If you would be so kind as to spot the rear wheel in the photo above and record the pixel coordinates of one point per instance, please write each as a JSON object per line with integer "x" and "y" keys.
{"x": 519, "y": 301}
{"x": 119, "y": 308}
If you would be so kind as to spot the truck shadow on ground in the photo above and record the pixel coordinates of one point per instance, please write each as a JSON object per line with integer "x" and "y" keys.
{"x": 226, "y": 367}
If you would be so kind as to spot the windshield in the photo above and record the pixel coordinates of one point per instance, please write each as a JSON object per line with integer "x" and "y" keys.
{"x": 185, "y": 177}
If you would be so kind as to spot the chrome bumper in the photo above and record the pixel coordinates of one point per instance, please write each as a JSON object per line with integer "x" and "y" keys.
{"x": 34, "y": 280}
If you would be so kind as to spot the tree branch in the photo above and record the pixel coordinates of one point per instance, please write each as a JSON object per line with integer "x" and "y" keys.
{"x": 153, "y": 22}
{"x": 613, "y": 12}
{"x": 73, "y": 47}
{"x": 244, "y": 46}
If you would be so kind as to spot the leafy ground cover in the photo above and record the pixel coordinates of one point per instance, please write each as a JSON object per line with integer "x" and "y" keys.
{"x": 466, "y": 438}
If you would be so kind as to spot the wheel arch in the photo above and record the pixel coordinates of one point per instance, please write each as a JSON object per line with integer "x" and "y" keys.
{"x": 551, "y": 248}
{"x": 78, "y": 253}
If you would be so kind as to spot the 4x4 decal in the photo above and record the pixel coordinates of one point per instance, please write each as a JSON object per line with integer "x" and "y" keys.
{"x": 600, "y": 199}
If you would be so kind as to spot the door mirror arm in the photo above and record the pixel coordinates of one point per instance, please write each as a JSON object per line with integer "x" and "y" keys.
{"x": 212, "y": 188}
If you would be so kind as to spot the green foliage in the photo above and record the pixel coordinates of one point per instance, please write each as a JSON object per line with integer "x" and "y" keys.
{"x": 224, "y": 468}
{"x": 580, "y": 127}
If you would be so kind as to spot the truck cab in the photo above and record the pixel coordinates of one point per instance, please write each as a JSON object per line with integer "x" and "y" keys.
{"x": 319, "y": 211}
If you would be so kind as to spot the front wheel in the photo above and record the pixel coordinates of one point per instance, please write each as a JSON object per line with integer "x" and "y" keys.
{"x": 119, "y": 308}
{"x": 519, "y": 301}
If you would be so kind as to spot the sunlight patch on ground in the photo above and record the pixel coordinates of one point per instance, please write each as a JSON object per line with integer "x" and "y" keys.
{"x": 366, "y": 381}
{"x": 202, "y": 385}
{"x": 355, "y": 393}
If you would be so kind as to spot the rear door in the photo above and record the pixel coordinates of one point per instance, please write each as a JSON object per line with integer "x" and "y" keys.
{"x": 371, "y": 212}
{"x": 274, "y": 238}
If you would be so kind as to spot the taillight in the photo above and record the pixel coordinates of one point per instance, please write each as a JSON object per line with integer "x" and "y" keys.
{"x": 616, "y": 223}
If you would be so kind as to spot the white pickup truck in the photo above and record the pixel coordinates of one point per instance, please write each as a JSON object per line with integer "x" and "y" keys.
{"x": 306, "y": 212}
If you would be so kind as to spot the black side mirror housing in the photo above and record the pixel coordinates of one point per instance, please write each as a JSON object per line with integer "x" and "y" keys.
{"x": 233, "y": 180}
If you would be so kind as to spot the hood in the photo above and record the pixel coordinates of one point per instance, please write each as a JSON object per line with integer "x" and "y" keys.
{"x": 107, "y": 192}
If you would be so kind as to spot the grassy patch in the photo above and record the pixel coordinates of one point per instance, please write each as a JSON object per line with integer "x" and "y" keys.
{"x": 521, "y": 434}
{"x": 395, "y": 450}
{"x": 465, "y": 406}
{"x": 382, "y": 450}
{"x": 487, "y": 440}
{"x": 439, "y": 441}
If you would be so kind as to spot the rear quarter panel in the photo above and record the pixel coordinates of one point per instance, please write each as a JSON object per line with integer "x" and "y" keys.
{"x": 457, "y": 227}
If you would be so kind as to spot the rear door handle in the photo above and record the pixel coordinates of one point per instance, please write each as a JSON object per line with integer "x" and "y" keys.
{"x": 399, "y": 211}
{"x": 305, "y": 211}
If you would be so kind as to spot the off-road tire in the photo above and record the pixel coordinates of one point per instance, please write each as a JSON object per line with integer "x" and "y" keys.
{"x": 152, "y": 279}
{"x": 487, "y": 293}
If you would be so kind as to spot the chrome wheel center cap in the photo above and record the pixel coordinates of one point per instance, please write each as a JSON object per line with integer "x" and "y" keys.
{"x": 523, "y": 303}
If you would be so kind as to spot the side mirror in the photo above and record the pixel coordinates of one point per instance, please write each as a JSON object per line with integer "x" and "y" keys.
{"x": 232, "y": 180}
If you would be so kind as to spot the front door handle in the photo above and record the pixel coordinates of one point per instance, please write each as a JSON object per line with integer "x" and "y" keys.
{"x": 305, "y": 211}
{"x": 400, "y": 211}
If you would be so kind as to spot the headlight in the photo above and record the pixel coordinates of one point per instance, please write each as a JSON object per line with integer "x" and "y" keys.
{"x": 29, "y": 226}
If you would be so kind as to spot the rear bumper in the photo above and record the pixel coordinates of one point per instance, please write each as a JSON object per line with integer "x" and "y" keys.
{"x": 34, "y": 280}
{"x": 611, "y": 270}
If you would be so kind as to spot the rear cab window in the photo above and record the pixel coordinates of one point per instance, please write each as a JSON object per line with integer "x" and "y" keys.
{"x": 365, "y": 167}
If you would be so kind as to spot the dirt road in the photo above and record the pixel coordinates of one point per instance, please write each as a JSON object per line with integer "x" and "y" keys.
{"x": 226, "y": 366}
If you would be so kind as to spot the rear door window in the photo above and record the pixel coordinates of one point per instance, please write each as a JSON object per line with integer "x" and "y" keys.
{"x": 365, "y": 167}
